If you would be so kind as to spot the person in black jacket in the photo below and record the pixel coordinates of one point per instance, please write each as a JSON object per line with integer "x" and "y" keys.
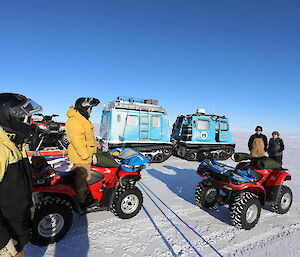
{"x": 276, "y": 147}
{"x": 15, "y": 172}
{"x": 258, "y": 143}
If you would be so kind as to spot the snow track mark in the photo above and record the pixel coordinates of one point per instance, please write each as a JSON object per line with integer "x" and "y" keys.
{"x": 178, "y": 220}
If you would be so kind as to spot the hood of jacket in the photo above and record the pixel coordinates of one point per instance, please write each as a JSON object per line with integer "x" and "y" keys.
{"x": 5, "y": 140}
{"x": 72, "y": 112}
{"x": 9, "y": 153}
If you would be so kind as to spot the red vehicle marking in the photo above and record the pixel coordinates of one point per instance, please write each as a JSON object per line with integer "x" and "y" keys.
{"x": 49, "y": 153}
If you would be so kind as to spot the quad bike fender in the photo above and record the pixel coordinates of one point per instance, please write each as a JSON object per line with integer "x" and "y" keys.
{"x": 129, "y": 179}
{"x": 251, "y": 187}
{"x": 257, "y": 189}
{"x": 123, "y": 173}
{"x": 126, "y": 177}
{"x": 277, "y": 178}
{"x": 56, "y": 189}
{"x": 62, "y": 191}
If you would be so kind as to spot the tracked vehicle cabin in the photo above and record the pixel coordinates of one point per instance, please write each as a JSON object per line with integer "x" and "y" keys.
{"x": 137, "y": 123}
{"x": 199, "y": 136}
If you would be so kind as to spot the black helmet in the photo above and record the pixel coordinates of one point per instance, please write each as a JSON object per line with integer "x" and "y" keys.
{"x": 82, "y": 104}
{"x": 15, "y": 115}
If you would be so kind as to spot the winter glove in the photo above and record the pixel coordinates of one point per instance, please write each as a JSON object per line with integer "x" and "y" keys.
{"x": 94, "y": 159}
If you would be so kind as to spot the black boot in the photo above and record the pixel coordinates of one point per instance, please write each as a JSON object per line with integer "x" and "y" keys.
{"x": 89, "y": 202}
{"x": 82, "y": 208}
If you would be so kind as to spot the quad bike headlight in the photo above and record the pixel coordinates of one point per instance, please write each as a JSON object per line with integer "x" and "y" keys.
{"x": 44, "y": 128}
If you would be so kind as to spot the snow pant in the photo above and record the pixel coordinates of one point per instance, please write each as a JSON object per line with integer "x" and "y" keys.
{"x": 82, "y": 175}
{"x": 17, "y": 223}
{"x": 277, "y": 158}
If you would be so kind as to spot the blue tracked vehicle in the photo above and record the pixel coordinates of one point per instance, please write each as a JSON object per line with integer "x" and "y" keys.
{"x": 140, "y": 124}
{"x": 202, "y": 136}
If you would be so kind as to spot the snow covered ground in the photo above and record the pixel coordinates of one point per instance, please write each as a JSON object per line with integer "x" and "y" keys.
{"x": 170, "y": 224}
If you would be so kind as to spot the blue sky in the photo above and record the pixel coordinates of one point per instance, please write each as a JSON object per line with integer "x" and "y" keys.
{"x": 238, "y": 58}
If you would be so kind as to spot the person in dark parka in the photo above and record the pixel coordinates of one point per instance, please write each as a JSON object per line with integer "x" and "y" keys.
{"x": 258, "y": 143}
{"x": 276, "y": 147}
{"x": 15, "y": 173}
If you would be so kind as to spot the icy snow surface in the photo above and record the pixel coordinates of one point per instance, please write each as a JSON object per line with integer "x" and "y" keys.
{"x": 170, "y": 224}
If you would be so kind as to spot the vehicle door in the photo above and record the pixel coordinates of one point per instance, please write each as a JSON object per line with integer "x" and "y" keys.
{"x": 156, "y": 127}
{"x": 202, "y": 127}
{"x": 131, "y": 128}
{"x": 224, "y": 133}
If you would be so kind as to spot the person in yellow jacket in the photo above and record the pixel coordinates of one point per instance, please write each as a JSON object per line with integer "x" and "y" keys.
{"x": 82, "y": 145}
{"x": 15, "y": 173}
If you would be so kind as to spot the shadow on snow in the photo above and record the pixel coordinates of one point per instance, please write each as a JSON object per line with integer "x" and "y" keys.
{"x": 183, "y": 183}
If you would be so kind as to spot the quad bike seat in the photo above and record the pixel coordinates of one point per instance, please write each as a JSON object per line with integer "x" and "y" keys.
{"x": 69, "y": 177}
{"x": 223, "y": 172}
{"x": 104, "y": 159}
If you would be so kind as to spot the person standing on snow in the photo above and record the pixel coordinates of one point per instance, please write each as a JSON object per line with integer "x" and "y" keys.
{"x": 258, "y": 143}
{"x": 276, "y": 147}
{"x": 15, "y": 173}
{"x": 82, "y": 145}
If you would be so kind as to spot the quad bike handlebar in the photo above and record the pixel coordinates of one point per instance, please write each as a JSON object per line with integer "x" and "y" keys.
{"x": 47, "y": 117}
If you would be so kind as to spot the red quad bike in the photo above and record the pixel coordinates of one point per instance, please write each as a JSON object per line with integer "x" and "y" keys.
{"x": 112, "y": 188}
{"x": 245, "y": 188}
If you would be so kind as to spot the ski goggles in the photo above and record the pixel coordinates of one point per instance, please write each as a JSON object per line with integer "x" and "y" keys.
{"x": 90, "y": 102}
{"x": 30, "y": 107}
{"x": 26, "y": 109}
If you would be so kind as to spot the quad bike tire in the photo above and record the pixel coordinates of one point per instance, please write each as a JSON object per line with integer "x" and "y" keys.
{"x": 245, "y": 210}
{"x": 206, "y": 195}
{"x": 127, "y": 202}
{"x": 51, "y": 222}
{"x": 284, "y": 200}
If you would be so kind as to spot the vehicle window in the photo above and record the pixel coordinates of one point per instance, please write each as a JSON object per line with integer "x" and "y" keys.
{"x": 224, "y": 126}
{"x": 179, "y": 122}
{"x": 132, "y": 120}
{"x": 187, "y": 121}
{"x": 155, "y": 121}
{"x": 203, "y": 124}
